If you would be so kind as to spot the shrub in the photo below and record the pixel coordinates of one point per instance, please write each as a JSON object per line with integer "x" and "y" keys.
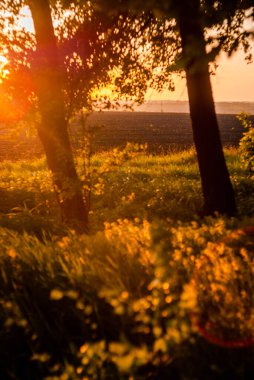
{"x": 247, "y": 142}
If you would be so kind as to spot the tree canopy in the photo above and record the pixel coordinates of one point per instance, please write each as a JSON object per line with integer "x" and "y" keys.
{"x": 96, "y": 50}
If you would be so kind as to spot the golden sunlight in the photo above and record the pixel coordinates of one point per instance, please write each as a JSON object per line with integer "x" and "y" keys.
{"x": 3, "y": 70}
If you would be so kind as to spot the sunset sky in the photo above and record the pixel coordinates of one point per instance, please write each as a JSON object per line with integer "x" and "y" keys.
{"x": 234, "y": 81}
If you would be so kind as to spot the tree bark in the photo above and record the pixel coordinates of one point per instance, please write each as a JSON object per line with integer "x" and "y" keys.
{"x": 53, "y": 129}
{"x": 216, "y": 186}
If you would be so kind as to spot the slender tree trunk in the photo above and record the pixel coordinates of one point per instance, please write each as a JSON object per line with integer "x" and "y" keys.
{"x": 217, "y": 188}
{"x": 53, "y": 129}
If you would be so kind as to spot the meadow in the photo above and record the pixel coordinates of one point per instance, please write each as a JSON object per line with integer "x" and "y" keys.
{"x": 152, "y": 292}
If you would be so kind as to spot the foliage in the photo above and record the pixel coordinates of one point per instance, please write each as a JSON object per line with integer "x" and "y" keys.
{"x": 247, "y": 143}
{"x": 223, "y": 22}
{"x": 228, "y": 283}
{"x": 99, "y": 48}
{"x": 124, "y": 301}
{"x": 95, "y": 50}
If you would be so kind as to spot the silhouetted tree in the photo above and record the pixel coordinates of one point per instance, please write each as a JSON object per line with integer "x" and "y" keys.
{"x": 216, "y": 185}
{"x": 60, "y": 66}
{"x": 192, "y": 19}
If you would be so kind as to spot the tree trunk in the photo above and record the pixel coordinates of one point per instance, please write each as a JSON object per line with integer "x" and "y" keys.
{"x": 53, "y": 129}
{"x": 216, "y": 186}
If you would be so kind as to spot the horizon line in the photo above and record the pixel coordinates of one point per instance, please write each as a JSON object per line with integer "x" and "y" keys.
{"x": 216, "y": 101}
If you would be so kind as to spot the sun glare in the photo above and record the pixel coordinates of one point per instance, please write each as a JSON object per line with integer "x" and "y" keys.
{"x": 3, "y": 60}
{"x": 26, "y": 20}
{"x": 3, "y": 71}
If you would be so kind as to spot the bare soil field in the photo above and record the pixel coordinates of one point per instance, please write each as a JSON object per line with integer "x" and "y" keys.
{"x": 163, "y": 132}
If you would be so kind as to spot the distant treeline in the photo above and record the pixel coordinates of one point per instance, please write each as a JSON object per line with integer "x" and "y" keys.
{"x": 183, "y": 106}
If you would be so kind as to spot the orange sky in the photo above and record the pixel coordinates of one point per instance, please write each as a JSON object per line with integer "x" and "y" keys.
{"x": 234, "y": 81}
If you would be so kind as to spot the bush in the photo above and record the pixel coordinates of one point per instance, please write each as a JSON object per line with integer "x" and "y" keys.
{"x": 247, "y": 142}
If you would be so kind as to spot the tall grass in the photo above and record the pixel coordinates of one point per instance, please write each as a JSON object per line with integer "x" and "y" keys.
{"x": 124, "y": 184}
{"x": 152, "y": 293}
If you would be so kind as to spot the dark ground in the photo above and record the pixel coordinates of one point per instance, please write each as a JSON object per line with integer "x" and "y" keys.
{"x": 162, "y": 131}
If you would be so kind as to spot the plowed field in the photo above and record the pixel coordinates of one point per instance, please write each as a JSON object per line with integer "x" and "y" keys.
{"x": 162, "y": 132}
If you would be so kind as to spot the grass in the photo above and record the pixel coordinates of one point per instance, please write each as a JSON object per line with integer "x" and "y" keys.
{"x": 148, "y": 187}
{"x": 153, "y": 292}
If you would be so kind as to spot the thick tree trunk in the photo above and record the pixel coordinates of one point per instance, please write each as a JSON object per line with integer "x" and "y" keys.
{"x": 53, "y": 129}
{"x": 217, "y": 188}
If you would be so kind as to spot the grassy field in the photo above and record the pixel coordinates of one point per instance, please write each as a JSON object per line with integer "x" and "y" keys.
{"x": 153, "y": 292}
